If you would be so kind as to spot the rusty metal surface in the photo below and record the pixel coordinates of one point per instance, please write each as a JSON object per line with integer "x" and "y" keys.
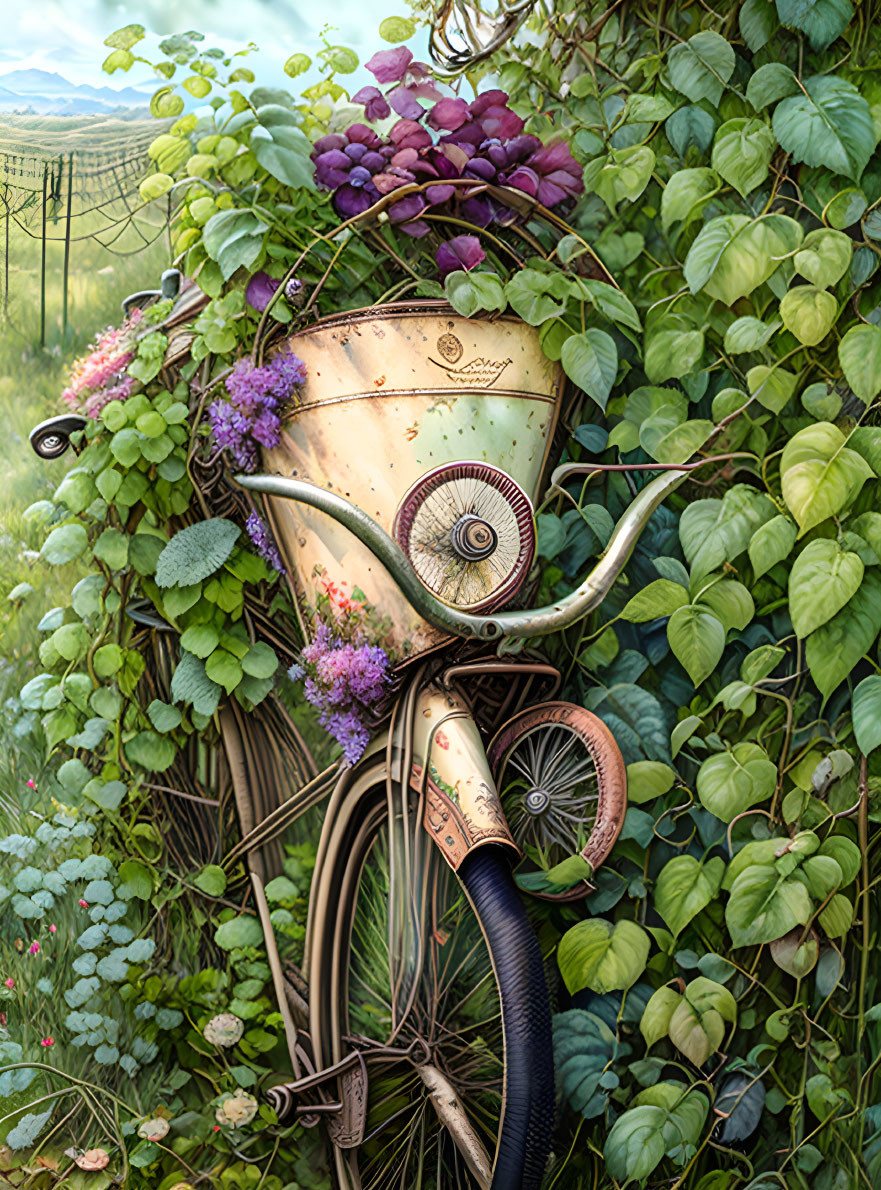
{"x": 611, "y": 773}
{"x": 462, "y": 805}
{"x": 389, "y": 396}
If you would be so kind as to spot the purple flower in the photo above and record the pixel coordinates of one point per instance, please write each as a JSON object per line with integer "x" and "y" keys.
{"x": 449, "y": 114}
{"x": 260, "y": 291}
{"x": 462, "y": 252}
{"x": 375, "y": 105}
{"x": 344, "y": 682}
{"x": 550, "y": 174}
{"x": 261, "y": 538}
{"x": 404, "y": 103}
{"x": 250, "y": 416}
{"x": 293, "y": 291}
{"x": 390, "y": 66}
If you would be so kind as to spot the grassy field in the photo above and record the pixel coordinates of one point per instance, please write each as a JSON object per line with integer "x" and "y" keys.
{"x": 31, "y": 381}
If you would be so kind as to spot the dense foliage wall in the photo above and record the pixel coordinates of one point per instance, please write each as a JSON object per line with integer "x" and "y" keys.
{"x": 733, "y": 188}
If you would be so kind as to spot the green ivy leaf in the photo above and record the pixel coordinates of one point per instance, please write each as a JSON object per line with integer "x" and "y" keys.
{"x": 601, "y": 956}
{"x": 742, "y": 153}
{"x": 821, "y": 20}
{"x": 749, "y": 334}
{"x": 823, "y": 578}
{"x": 584, "y": 1047}
{"x": 733, "y": 254}
{"x": 859, "y": 354}
{"x": 648, "y": 779}
{"x": 824, "y": 257}
{"x": 764, "y": 905}
{"x": 233, "y": 239}
{"x": 685, "y": 194}
{"x": 735, "y": 780}
{"x": 701, "y": 67}
{"x": 621, "y": 175}
{"x": 833, "y": 651}
{"x": 239, "y": 931}
{"x": 771, "y": 543}
{"x": 820, "y": 475}
{"x": 469, "y": 293}
{"x": 758, "y": 22}
{"x": 667, "y": 1118}
{"x": 829, "y": 124}
{"x": 697, "y": 1026}
{"x": 150, "y": 751}
{"x": 770, "y": 83}
{"x": 808, "y": 313}
{"x": 672, "y": 353}
{"x": 64, "y": 544}
{"x": 713, "y": 532}
{"x": 590, "y": 359}
{"x": 697, "y": 639}
{"x": 660, "y": 598}
{"x": 684, "y": 887}
{"x": 211, "y": 880}
{"x": 866, "y": 712}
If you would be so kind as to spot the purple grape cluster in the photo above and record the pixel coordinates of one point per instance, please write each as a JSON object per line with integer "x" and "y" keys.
{"x": 450, "y": 139}
{"x": 344, "y": 682}
{"x": 263, "y": 542}
{"x": 250, "y": 416}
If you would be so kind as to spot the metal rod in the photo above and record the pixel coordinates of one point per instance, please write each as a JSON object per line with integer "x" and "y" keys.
{"x": 43, "y": 262}
{"x": 67, "y": 245}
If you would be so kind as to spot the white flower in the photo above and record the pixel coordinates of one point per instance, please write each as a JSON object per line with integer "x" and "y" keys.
{"x": 224, "y": 1030}
{"x": 237, "y": 1109}
{"x": 153, "y": 1129}
{"x": 91, "y": 1159}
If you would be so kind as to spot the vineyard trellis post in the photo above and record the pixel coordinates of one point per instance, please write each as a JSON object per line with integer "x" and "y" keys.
{"x": 67, "y": 245}
{"x": 43, "y": 260}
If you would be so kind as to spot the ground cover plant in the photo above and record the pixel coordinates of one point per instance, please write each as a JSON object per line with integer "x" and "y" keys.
{"x": 717, "y": 992}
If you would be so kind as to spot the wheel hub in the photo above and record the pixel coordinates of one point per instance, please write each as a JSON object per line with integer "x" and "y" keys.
{"x": 473, "y": 538}
{"x": 537, "y": 801}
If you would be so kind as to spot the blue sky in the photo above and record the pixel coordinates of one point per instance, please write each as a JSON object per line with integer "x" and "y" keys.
{"x": 67, "y": 37}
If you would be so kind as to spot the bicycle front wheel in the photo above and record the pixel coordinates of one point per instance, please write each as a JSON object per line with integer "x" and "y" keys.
{"x": 438, "y": 980}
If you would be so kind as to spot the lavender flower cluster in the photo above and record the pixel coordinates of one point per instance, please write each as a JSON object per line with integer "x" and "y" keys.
{"x": 250, "y": 417}
{"x": 482, "y": 140}
{"x": 263, "y": 542}
{"x": 344, "y": 682}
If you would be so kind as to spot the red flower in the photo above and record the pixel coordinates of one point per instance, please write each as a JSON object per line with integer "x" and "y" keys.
{"x": 47, "y": 1041}
{"x": 83, "y": 904}
{"x": 9, "y": 983}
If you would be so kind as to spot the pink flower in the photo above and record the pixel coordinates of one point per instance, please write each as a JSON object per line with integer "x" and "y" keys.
{"x": 53, "y": 929}
{"x": 83, "y": 904}
{"x": 47, "y": 1041}
{"x": 31, "y": 783}
{"x": 34, "y": 948}
{"x": 390, "y": 66}
{"x": 9, "y": 983}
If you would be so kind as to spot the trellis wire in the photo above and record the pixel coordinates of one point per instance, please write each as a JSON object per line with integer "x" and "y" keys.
{"x": 43, "y": 186}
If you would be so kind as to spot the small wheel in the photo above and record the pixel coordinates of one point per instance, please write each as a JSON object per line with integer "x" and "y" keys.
{"x": 469, "y": 532}
{"x": 563, "y": 785}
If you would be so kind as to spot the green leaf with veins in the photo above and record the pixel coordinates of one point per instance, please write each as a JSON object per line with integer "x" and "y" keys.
{"x": 684, "y": 887}
{"x": 822, "y": 580}
{"x": 820, "y": 474}
{"x": 733, "y": 781}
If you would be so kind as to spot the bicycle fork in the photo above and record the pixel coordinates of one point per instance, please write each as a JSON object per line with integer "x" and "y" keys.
{"x": 463, "y": 809}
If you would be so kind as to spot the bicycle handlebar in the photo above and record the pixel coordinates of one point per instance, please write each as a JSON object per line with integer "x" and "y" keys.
{"x": 527, "y": 622}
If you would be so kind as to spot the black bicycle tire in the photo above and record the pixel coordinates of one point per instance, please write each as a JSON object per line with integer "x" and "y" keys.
{"x": 524, "y": 1139}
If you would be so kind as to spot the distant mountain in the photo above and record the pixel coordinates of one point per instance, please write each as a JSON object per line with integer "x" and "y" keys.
{"x": 48, "y": 94}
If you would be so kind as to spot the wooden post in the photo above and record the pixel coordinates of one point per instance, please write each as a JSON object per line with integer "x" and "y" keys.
{"x": 67, "y": 245}
{"x": 43, "y": 262}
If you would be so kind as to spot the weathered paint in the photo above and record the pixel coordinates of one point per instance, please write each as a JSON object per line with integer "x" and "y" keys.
{"x": 391, "y": 394}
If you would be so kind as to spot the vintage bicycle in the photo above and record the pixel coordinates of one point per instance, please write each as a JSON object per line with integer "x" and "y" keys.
{"x": 418, "y": 1022}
